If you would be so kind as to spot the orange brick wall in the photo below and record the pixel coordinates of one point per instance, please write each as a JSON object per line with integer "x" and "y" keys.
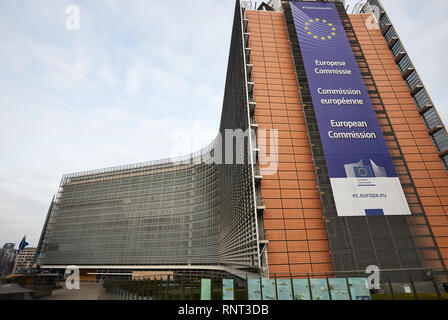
{"x": 421, "y": 156}
{"x": 293, "y": 218}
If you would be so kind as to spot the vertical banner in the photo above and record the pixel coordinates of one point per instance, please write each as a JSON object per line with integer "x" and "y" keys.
{"x": 362, "y": 175}
{"x": 206, "y": 289}
{"x": 228, "y": 291}
{"x": 339, "y": 289}
{"x": 319, "y": 289}
{"x": 268, "y": 289}
{"x": 359, "y": 289}
{"x": 284, "y": 289}
{"x": 254, "y": 289}
{"x": 301, "y": 289}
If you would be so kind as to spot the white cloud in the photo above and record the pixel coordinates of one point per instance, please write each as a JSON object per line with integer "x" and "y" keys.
{"x": 108, "y": 76}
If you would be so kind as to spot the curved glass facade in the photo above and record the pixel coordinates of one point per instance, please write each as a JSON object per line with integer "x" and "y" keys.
{"x": 181, "y": 212}
{"x": 153, "y": 214}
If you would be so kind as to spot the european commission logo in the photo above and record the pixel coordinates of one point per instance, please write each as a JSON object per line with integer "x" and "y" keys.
{"x": 320, "y": 29}
{"x": 363, "y": 172}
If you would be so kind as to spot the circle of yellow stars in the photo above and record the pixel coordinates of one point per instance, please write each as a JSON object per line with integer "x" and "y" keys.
{"x": 309, "y": 32}
{"x": 363, "y": 172}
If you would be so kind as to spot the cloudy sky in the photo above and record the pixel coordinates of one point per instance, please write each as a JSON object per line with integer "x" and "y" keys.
{"x": 122, "y": 88}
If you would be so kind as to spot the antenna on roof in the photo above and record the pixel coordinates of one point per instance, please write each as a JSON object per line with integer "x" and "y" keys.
{"x": 358, "y": 6}
{"x": 265, "y": 7}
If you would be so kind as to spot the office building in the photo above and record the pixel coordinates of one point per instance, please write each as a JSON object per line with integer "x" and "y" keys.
{"x": 24, "y": 261}
{"x": 357, "y": 173}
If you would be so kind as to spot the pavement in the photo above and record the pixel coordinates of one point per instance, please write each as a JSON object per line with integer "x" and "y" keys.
{"x": 87, "y": 291}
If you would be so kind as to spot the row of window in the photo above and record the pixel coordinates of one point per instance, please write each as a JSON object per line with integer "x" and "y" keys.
{"x": 149, "y": 176}
{"x": 108, "y": 216}
{"x": 133, "y": 211}
{"x": 158, "y": 194}
{"x": 145, "y": 206}
{"x": 118, "y": 184}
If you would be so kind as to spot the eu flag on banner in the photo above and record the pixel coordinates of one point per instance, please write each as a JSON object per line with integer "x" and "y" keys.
{"x": 22, "y": 245}
{"x": 363, "y": 172}
{"x": 374, "y": 212}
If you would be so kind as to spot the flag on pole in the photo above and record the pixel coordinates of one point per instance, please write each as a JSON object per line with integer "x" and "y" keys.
{"x": 22, "y": 245}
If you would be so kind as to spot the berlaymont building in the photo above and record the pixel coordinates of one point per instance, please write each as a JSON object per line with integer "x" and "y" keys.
{"x": 330, "y": 158}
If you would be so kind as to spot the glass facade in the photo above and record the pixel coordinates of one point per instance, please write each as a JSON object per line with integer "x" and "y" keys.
{"x": 187, "y": 211}
{"x": 158, "y": 215}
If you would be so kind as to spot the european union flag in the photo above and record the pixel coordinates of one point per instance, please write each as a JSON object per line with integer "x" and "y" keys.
{"x": 374, "y": 212}
{"x": 22, "y": 245}
{"x": 363, "y": 172}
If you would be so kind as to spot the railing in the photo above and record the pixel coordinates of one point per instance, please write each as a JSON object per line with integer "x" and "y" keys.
{"x": 317, "y": 286}
{"x": 169, "y": 287}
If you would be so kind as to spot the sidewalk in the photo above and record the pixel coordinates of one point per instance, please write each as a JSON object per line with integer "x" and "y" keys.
{"x": 88, "y": 291}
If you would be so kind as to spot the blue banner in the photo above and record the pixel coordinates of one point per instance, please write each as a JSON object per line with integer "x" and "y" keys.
{"x": 228, "y": 291}
{"x": 206, "y": 285}
{"x": 359, "y": 289}
{"x": 268, "y": 289}
{"x": 319, "y": 289}
{"x": 284, "y": 289}
{"x": 301, "y": 289}
{"x": 254, "y": 289}
{"x": 362, "y": 175}
{"x": 339, "y": 289}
